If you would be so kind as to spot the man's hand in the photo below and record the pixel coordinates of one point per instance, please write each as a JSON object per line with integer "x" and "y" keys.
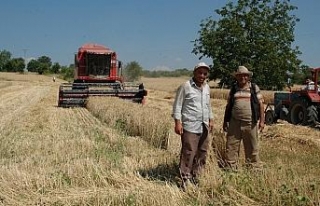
{"x": 178, "y": 129}
{"x": 225, "y": 126}
{"x": 210, "y": 125}
{"x": 261, "y": 122}
{"x": 261, "y": 125}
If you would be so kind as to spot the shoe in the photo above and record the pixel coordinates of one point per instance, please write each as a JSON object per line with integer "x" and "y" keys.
{"x": 186, "y": 183}
{"x": 195, "y": 181}
{"x": 257, "y": 166}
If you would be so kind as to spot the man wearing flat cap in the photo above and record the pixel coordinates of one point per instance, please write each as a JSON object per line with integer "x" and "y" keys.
{"x": 193, "y": 119}
{"x": 244, "y": 116}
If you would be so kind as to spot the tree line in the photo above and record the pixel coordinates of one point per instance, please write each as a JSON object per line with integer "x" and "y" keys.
{"x": 43, "y": 65}
{"x": 132, "y": 71}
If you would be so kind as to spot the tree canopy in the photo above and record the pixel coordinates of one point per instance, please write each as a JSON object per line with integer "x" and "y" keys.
{"x": 43, "y": 65}
{"x": 15, "y": 65}
{"x": 255, "y": 33}
{"x": 5, "y": 57}
{"x": 132, "y": 71}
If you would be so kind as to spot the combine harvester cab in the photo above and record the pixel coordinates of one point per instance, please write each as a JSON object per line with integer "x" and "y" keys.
{"x": 98, "y": 73}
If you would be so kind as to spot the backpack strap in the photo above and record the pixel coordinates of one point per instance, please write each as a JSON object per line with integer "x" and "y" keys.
{"x": 227, "y": 114}
{"x": 255, "y": 104}
{"x": 253, "y": 87}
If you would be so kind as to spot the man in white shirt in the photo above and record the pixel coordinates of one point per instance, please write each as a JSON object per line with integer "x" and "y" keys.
{"x": 193, "y": 121}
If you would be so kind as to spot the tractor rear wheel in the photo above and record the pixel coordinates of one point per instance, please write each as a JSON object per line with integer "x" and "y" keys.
{"x": 298, "y": 112}
{"x": 269, "y": 117}
{"x": 312, "y": 115}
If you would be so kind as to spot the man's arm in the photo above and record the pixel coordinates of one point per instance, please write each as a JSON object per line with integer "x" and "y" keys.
{"x": 261, "y": 105}
{"x": 261, "y": 122}
{"x": 210, "y": 111}
{"x": 177, "y": 110}
{"x": 226, "y": 115}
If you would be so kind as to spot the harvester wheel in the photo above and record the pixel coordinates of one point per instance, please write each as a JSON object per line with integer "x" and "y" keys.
{"x": 298, "y": 112}
{"x": 269, "y": 117}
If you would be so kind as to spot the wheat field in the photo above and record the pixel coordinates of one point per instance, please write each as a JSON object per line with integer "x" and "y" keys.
{"x": 116, "y": 152}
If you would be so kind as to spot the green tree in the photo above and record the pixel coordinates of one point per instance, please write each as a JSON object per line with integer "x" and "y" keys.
{"x": 45, "y": 64}
{"x": 15, "y": 65}
{"x": 45, "y": 60}
{"x": 33, "y": 65}
{"x": 132, "y": 71}
{"x": 5, "y": 57}
{"x": 301, "y": 74}
{"x": 67, "y": 73}
{"x": 254, "y": 33}
{"x": 55, "y": 68}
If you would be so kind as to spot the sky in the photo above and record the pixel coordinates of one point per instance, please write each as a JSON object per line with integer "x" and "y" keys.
{"x": 157, "y": 34}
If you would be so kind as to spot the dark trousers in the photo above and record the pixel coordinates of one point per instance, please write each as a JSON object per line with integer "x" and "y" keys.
{"x": 193, "y": 154}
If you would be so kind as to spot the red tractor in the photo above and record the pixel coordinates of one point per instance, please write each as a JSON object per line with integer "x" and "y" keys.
{"x": 297, "y": 107}
{"x": 98, "y": 73}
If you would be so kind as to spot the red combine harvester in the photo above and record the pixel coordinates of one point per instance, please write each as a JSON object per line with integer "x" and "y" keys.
{"x": 98, "y": 73}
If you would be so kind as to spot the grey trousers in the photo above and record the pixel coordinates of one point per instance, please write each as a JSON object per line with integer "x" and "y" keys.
{"x": 194, "y": 147}
{"x": 238, "y": 131}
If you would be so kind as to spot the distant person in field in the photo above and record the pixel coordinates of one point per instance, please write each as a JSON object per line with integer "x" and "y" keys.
{"x": 193, "y": 119}
{"x": 244, "y": 115}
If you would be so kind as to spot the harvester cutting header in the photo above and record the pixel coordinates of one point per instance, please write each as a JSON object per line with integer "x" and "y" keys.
{"x": 98, "y": 72}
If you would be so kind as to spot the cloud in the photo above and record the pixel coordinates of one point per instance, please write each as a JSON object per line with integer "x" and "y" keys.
{"x": 178, "y": 59}
{"x": 161, "y": 68}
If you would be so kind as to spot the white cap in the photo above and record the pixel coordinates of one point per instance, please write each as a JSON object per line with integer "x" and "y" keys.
{"x": 201, "y": 65}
